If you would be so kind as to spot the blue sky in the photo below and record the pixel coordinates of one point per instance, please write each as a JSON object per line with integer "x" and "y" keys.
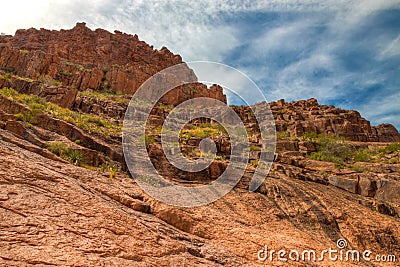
{"x": 345, "y": 53}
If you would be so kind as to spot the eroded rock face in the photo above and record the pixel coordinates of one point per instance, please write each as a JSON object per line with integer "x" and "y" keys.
{"x": 98, "y": 48}
{"x": 307, "y": 116}
{"x": 60, "y": 95}
{"x": 30, "y": 64}
{"x": 55, "y": 213}
{"x": 386, "y": 133}
{"x": 98, "y": 60}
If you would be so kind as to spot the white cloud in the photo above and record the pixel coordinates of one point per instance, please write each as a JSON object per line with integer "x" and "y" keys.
{"x": 385, "y": 109}
{"x": 356, "y": 11}
{"x": 287, "y": 37}
{"x": 315, "y": 76}
{"x": 391, "y": 50}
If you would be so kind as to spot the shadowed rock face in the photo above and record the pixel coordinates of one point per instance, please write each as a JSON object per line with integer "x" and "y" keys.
{"x": 55, "y": 213}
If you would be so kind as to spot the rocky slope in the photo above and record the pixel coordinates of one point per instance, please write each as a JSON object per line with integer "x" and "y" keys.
{"x": 67, "y": 200}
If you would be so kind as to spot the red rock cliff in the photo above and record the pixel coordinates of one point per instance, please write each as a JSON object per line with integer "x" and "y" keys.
{"x": 86, "y": 59}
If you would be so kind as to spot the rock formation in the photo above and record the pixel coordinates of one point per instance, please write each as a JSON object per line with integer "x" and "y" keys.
{"x": 84, "y": 59}
{"x": 66, "y": 198}
{"x": 307, "y": 116}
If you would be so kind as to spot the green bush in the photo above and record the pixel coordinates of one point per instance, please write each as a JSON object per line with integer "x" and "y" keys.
{"x": 148, "y": 139}
{"x": 333, "y": 149}
{"x": 28, "y": 116}
{"x": 282, "y": 135}
{"x": 310, "y": 136}
{"x": 62, "y": 72}
{"x": 202, "y": 130}
{"x": 58, "y": 148}
{"x": 391, "y": 148}
{"x": 8, "y": 92}
{"x": 363, "y": 155}
{"x": 111, "y": 167}
{"x": 6, "y": 76}
{"x": 358, "y": 168}
{"x": 65, "y": 152}
{"x": 38, "y": 105}
{"x": 48, "y": 80}
{"x": 75, "y": 156}
{"x": 107, "y": 96}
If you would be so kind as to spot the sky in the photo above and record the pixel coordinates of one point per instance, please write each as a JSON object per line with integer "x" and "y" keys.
{"x": 344, "y": 53}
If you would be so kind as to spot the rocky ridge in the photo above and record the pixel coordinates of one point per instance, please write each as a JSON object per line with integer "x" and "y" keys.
{"x": 96, "y": 60}
{"x": 307, "y": 116}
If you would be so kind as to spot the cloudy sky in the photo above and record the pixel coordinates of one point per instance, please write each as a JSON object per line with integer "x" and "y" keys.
{"x": 345, "y": 53}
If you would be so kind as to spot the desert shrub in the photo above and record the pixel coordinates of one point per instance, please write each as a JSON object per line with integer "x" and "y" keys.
{"x": 65, "y": 152}
{"x": 28, "y": 116}
{"x": 358, "y": 168}
{"x": 391, "y": 148}
{"x": 38, "y": 105}
{"x": 112, "y": 168}
{"x": 282, "y": 135}
{"x": 219, "y": 157}
{"x": 149, "y": 139}
{"x": 98, "y": 121}
{"x": 75, "y": 156}
{"x": 20, "y": 116}
{"x": 108, "y": 96}
{"x": 8, "y": 92}
{"x": 62, "y": 72}
{"x": 310, "y": 136}
{"x": 333, "y": 149}
{"x": 6, "y": 76}
{"x": 48, "y": 80}
{"x": 363, "y": 155}
{"x": 58, "y": 148}
{"x": 200, "y": 131}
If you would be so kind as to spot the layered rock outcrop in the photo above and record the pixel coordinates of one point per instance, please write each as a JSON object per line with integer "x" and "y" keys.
{"x": 55, "y": 213}
{"x": 84, "y": 59}
{"x": 307, "y": 116}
